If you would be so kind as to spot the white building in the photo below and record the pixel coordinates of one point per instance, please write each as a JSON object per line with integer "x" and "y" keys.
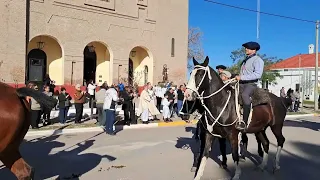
{"x": 298, "y": 72}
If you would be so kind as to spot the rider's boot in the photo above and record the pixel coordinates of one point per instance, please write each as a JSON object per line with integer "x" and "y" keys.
{"x": 242, "y": 126}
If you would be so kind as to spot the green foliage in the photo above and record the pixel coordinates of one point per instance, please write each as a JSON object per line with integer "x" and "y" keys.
{"x": 271, "y": 76}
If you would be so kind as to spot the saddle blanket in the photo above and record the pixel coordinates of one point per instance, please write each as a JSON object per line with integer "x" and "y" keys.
{"x": 259, "y": 96}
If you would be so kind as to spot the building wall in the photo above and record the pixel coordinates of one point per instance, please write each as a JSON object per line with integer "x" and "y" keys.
{"x": 115, "y": 27}
{"x": 290, "y": 77}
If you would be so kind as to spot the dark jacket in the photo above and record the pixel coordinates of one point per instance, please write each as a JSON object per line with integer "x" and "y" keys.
{"x": 63, "y": 100}
{"x": 180, "y": 95}
{"x": 127, "y": 100}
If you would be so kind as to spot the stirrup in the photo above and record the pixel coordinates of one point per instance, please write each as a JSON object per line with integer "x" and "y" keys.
{"x": 241, "y": 125}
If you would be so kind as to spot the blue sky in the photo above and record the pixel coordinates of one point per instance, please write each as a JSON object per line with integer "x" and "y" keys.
{"x": 226, "y": 29}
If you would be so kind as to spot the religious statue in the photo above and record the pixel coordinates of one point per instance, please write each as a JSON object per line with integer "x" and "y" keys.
{"x": 165, "y": 73}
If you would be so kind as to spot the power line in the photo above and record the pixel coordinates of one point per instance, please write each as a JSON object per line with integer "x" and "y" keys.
{"x": 266, "y": 13}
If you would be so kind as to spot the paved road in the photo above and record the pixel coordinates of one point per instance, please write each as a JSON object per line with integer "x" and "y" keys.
{"x": 161, "y": 154}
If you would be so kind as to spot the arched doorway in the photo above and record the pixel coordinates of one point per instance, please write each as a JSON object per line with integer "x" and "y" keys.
{"x": 45, "y": 56}
{"x": 140, "y": 66}
{"x": 37, "y": 65}
{"x": 97, "y": 63}
{"x": 89, "y": 64}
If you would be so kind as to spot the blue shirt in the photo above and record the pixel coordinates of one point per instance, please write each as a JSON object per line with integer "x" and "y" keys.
{"x": 251, "y": 68}
{"x": 121, "y": 87}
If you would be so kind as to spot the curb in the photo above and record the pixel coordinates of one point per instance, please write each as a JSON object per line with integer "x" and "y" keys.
{"x": 100, "y": 129}
{"x": 301, "y": 115}
{"x": 135, "y": 126}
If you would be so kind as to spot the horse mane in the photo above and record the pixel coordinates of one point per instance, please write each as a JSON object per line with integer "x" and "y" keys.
{"x": 41, "y": 98}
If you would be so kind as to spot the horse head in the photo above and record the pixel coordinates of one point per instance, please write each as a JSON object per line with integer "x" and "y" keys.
{"x": 200, "y": 79}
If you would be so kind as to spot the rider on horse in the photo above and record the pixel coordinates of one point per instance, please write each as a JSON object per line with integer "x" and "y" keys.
{"x": 250, "y": 72}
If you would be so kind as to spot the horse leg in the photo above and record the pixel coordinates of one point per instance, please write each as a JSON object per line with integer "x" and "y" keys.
{"x": 196, "y": 158}
{"x": 204, "y": 156}
{"x": 223, "y": 150}
{"x": 265, "y": 143}
{"x": 244, "y": 146}
{"x": 17, "y": 165}
{"x": 233, "y": 137}
{"x": 260, "y": 151}
{"x": 277, "y": 131}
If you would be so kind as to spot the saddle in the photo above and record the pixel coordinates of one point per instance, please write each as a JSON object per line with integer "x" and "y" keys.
{"x": 259, "y": 96}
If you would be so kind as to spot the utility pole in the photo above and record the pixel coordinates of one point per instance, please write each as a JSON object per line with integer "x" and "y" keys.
{"x": 300, "y": 90}
{"x": 316, "y": 68}
{"x": 258, "y": 20}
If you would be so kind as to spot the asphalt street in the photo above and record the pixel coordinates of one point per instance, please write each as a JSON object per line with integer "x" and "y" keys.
{"x": 165, "y": 153}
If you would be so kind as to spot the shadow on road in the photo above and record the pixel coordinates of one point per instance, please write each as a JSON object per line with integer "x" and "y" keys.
{"x": 302, "y": 165}
{"x": 69, "y": 163}
{"x": 303, "y": 124}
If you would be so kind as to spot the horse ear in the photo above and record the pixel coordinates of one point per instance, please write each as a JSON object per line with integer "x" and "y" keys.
{"x": 206, "y": 62}
{"x": 195, "y": 62}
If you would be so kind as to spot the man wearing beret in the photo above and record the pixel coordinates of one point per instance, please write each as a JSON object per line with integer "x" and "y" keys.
{"x": 250, "y": 72}
{"x": 220, "y": 68}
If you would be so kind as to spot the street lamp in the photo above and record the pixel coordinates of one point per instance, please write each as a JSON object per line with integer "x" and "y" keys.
{"x": 91, "y": 48}
{"x": 133, "y": 53}
{"x": 40, "y": 44}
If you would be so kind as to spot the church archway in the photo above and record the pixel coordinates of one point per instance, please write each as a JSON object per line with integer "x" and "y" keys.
{"x": 140, "y": 66}
{"x": 45, "y": 56}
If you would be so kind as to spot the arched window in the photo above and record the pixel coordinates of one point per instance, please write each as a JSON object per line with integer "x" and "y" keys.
{"x": 172, "y": 47}
{"x": 145, "y": 74}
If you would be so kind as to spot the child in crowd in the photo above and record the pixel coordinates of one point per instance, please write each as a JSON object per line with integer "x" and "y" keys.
{"x": 165, "y": 108}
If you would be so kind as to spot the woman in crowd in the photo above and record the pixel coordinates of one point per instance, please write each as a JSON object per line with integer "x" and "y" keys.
{"x": 79, "y": 100}
{"x": 127, "y": 106}
{"x": 46, "y": 111}
{"x": 35, "y": 109}
{"x": 100, "y": 97}
{"x": 64, "y": 104}
{"x": 109, "y": 106}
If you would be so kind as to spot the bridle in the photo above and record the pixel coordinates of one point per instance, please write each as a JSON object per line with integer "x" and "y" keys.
{"x": 192, "y": 86}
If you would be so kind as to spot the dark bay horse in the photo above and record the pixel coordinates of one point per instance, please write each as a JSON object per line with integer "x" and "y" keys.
{"x": 221, "y": 114}
{"x": 14, "y": 124}
{"x": 190, "y": 107}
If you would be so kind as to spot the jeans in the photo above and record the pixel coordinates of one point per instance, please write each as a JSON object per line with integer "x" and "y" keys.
{"x": 110, "y": 116}
{"x": 179, "y": 106}
{"x": 63, "y": 113}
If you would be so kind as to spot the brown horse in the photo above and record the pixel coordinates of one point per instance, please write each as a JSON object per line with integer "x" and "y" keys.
{"x": 14, "y": 124}
{"x": 219, "y": 102}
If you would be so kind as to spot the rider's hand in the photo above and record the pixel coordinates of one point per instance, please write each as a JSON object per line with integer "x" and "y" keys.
{"x": 237, "y": 77}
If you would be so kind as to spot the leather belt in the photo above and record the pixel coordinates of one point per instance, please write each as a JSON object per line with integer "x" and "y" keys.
{"x": 248, "y": 81}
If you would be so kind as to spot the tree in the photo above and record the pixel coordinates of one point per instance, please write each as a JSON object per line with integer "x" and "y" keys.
{"x": 1, "y": 80}
{"x": 269, "y": 76}
{"x": 195, "y": 48}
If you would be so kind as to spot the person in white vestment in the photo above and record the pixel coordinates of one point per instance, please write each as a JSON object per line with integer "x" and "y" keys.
{"x": 165, "y": 109}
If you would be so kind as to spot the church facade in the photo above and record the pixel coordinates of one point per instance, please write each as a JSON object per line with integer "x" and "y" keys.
{"x": 74, "y": 41}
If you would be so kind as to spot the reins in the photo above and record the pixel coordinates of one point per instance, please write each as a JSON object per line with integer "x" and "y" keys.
{"x": 207, "y": 112}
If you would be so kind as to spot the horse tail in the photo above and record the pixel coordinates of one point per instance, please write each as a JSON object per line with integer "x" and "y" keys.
{"x": 41, "y": 98}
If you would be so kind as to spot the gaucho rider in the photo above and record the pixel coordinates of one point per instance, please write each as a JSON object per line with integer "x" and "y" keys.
{"x": 250, "y": 72}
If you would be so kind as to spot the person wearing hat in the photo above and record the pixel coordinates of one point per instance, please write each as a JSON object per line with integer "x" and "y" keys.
{"x": 225, "y": 75}
{"x": 220, "y": 68}
{"x": 250, "y": 72}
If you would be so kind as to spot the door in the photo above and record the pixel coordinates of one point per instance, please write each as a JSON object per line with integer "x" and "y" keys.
{"x": 37, "y": 65}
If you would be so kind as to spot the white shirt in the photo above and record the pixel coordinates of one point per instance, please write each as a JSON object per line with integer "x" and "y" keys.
{"x": 165, "y": 102}
{"x": 91, "y": 89}
{"x": 111, "y": 95}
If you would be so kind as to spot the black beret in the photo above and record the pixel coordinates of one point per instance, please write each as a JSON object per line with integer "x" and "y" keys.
{"x": 221, "y": 67}
{"x": 252, "y": 45}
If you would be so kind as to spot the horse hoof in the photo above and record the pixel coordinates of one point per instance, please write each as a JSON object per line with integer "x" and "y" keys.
{"x": 276, "y": 169}
{"x": 259, "y": 168}
{"x": 242, "y": 159}
{"x": 193, "y": 169}
{"x": 224, "y": 166}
